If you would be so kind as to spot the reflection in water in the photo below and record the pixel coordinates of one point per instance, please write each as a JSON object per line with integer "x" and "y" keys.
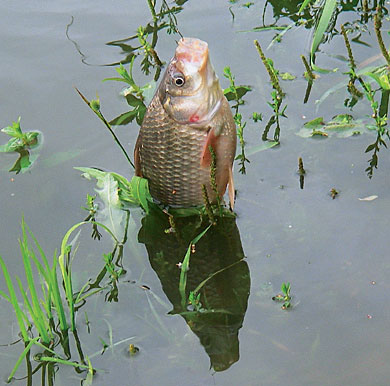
{"x": 218, "y": 263}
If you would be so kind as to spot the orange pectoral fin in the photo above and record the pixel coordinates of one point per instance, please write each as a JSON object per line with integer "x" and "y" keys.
{"x": 205, "y": 158}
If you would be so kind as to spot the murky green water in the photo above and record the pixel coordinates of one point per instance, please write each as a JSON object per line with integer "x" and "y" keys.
{"x": 333, "y": 252}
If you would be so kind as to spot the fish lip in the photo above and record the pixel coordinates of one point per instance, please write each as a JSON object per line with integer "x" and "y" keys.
{"x": 192, "y": 51}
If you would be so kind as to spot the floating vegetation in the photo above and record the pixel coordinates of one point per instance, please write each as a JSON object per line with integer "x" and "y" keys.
{"x": 334, "y": 193}
{"x": 341, "y": 126}
{"x": 284, "y": 297}
{"x": 25, "y": 144}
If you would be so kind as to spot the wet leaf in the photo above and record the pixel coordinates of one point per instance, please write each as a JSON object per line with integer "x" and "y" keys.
{"x": 287, "y": 76}
{"x": 23, "y": 163}
{"x": 263, "y": 146}
{"x": 230, "y": 93}
{"x": 342, "y": 126}
{"x": 124, "y": 118}
{"x": 13, "y": 130}
{"x": 315, "y": 123}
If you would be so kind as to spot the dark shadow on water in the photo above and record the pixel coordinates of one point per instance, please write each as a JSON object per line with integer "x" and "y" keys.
{"x": 218, "y": 256}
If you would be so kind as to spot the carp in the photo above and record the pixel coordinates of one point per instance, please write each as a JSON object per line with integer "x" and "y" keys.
{"x": 188, "y": 114}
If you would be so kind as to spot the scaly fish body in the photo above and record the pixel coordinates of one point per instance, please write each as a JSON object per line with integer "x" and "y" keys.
{"x": 187, "y": 114}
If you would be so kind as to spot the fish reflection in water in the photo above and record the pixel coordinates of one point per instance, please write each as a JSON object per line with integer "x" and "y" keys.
{"x": 224, "y": 296}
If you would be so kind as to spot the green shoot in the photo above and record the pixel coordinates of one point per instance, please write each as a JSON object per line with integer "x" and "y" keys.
{"x": 285, "y": 296}
{"x": 236, "y": 93}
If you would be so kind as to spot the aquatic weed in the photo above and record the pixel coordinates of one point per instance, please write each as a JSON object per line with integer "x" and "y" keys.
{"x": 277, "y": 96}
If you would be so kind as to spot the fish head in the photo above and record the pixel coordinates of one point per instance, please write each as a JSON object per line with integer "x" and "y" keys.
{"x": 190, "y": 92}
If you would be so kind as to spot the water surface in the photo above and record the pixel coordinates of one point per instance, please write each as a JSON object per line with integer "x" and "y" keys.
{"x": 333, "y": 252}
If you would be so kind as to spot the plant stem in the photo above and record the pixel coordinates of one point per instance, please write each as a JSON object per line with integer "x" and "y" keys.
{"x": 348, "y": 46}
{"x": 378, "y": 25}
{"x": 271, "y": 73}
{"x": 101, "y": 117}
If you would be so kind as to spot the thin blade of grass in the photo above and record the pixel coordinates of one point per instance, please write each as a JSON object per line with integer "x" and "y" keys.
{"x": 56, "y": 294}
{"x": 38, "y": 319}
{"x": 198, "y": 288}
{"x": 5, "y": 296}
{"x": 184, "y": 268}
{"x": 20, "y": 316}
{"x": 26, "y": 253}
{"x": 323, "y": 23}
{"x": 21, "y": 356}
{"x": 304, "y": 5}
{"x": 64, "y": 362}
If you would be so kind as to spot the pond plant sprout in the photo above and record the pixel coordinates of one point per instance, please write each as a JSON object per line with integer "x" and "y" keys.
{"x": 277, "y": 96}
{"x": 285, "y": 296}
{"x": 21, "y": 143}
{"x": 236, "y": 93}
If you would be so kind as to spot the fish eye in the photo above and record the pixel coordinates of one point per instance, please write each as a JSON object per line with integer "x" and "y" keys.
{"x": 179, "y": 80}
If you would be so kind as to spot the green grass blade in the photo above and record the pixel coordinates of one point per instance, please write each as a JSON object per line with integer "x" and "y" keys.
{"x": 304, "y": 5}
{"x": 323, "y": 23}
{"x": 198, "y": 288}
{"x": 56, "y": 295}
{"x": 89, "y": 379}
{"x": 21, "y": 356}
{"x": 184, "y": 268}
{"x": 38, "y": 317}
{"x": 26, "y": 253}
{"x": 20, "y": 316}
{"x": 63, "y": 362}
{"x": 5, "y": 296}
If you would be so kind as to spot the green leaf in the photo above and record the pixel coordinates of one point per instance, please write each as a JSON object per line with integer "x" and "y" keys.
{"x": 342, "y": 125}
{"x": 287, "y": 76}
{"x": 124, "y": 118}
{"x": 14, "y": 144}
{"x": 14, "y": 130}
{"x": 315, "y": 123}
{"x": 327, "y": 12}
{"x": 140, "y": 191}
{"x": 23, "y": 163}
{"x": 132, "y": 100}
{"x": 304, "y": 5}
{"x": 31, "y": 138}
{"x": 263, "y": 146}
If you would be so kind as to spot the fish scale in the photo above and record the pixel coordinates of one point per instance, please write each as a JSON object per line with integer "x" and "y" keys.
{"x": 170, "y": 158}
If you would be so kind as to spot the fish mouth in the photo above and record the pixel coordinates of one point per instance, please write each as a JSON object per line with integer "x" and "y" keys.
{"x": 193, "y": 53}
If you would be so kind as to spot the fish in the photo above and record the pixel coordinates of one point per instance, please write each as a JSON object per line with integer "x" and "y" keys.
{"x": 187, "y": 114}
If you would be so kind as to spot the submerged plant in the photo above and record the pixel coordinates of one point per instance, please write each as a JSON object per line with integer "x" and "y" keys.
{"x": 21, "y": 143}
